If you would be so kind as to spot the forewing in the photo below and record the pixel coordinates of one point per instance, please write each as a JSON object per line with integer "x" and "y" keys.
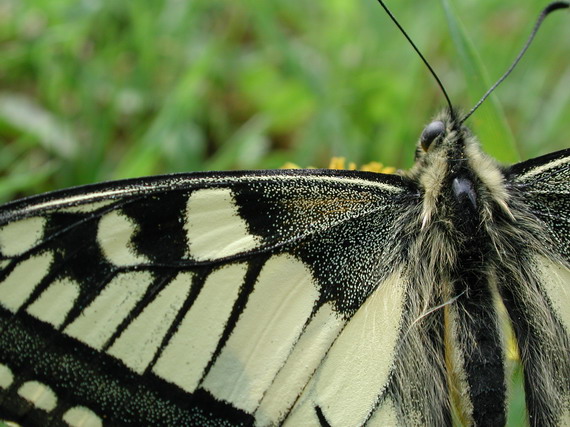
{"x": 544, "y": 185}
{"x": 170, "y": 299}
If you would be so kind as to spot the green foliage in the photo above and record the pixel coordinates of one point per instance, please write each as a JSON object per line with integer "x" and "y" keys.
{"x": 98, "y": 90}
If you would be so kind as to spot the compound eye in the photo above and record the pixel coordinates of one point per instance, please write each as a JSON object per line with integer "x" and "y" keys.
{"x": 430, "y": 133}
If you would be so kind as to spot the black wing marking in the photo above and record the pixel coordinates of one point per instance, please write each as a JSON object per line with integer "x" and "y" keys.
{"x": 84, "y": 270}
{"x": 544, "y": 185}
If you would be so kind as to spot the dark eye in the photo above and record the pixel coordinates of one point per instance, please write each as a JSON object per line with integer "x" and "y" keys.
{"x": 430, "y": 133}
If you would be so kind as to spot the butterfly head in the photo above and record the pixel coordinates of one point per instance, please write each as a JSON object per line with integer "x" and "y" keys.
{"x": 444, "y": 138}
{"x": 452, "y": 171}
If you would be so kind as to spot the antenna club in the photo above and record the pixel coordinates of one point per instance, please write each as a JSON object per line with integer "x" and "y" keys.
{"x": 555, "y": 6}
{"x": 545, "y": 12}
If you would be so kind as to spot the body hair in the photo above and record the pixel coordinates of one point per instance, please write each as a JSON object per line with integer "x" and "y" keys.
{"x": 426, "y": 372}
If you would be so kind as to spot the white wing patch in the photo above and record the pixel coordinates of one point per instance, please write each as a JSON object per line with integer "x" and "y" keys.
{"x": 55, "y": 302}
{"x": 190, "y": 349}
{"x": 275, "y": 314}
{"x": 21, "y": 282}
{"x": 357, "y": 368}
{"x": 101, "y": 318}
{"x": 308, "y": 353}
{"x": 385, "y": 416}
{"x": 214, "y": 227}
{"x": 21, "y": 236}
{"x": 114, "y": 235}
{"x": 40, "y": 395}
{"x": 556, "y": 283}
{"x": 80, "y": 416}
{"x": 6, "y": 376}
{"x": 138, "y": 343}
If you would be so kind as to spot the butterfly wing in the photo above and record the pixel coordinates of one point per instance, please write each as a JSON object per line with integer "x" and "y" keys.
{"x": 180, "y": 298}
{"x": 544, "y": 184}
{"x": 539, "y": 302}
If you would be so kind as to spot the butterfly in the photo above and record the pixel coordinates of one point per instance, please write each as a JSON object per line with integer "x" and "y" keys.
{"x": 298, "y": 297}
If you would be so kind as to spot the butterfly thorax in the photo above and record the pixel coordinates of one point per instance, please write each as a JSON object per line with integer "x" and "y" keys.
{"x": 460, "y": 183}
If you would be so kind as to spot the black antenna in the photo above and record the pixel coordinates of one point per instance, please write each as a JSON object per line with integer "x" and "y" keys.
{"x": 451, "y": 110}
{"x": 545, "y": 12}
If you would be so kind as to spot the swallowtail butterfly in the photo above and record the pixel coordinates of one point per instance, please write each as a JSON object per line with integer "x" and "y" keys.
{"x": 303, "y": 297}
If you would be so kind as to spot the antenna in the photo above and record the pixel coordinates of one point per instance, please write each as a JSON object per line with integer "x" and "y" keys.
{"x": 393, "y": 18}
{"x": 545, "y": 12}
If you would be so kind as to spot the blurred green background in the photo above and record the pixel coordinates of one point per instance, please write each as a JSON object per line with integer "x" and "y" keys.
{"x": 95, "y": 90}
